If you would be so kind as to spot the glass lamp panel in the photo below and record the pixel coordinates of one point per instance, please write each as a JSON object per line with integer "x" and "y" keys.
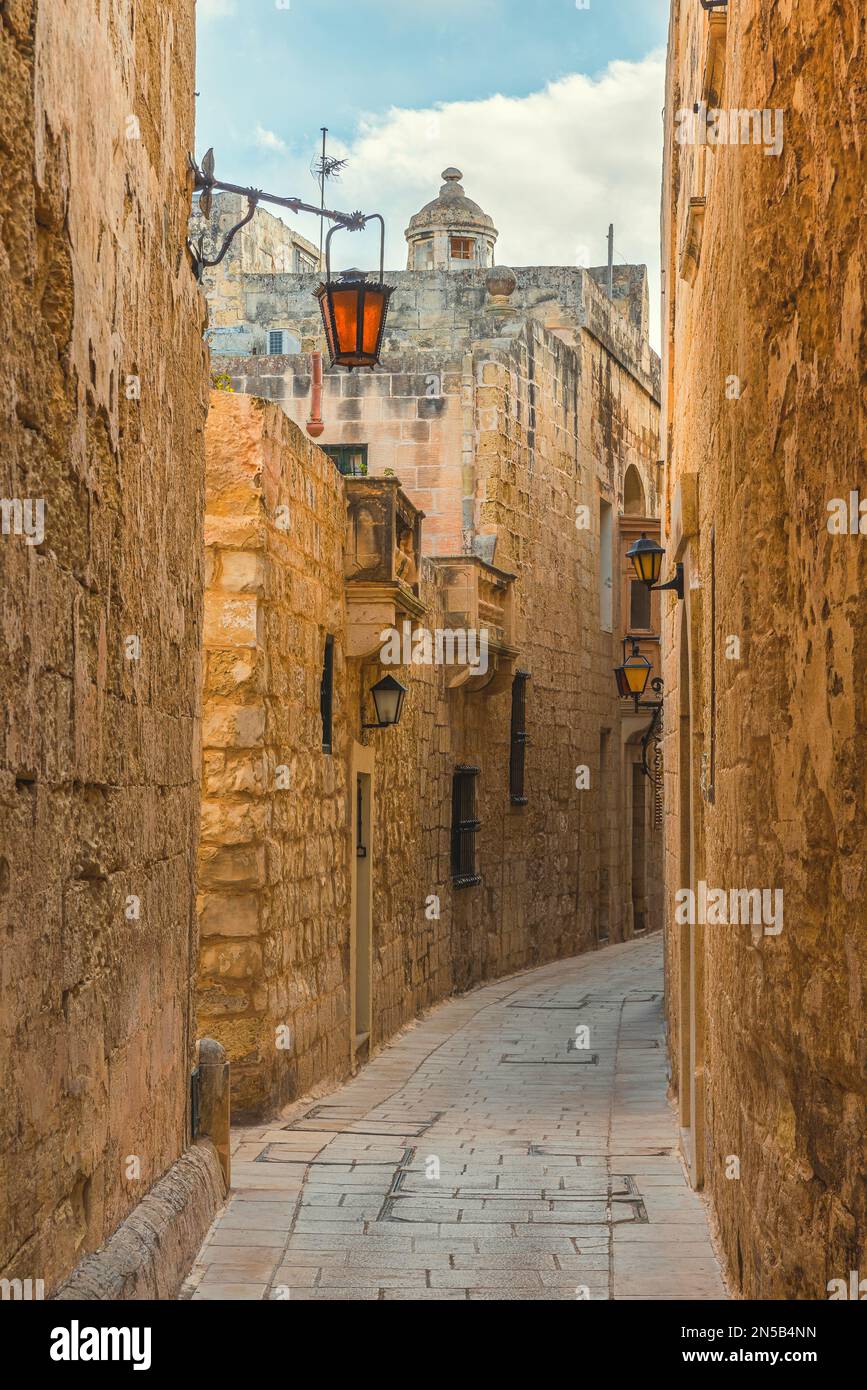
{"x": 374, "y": 308}
{"x": 637, "y": 670}
{"x": 388, "y": 698}
{"x": 644, "y": 566}
{"x": 345, "y": 309}
{"x": 325, "y": 306}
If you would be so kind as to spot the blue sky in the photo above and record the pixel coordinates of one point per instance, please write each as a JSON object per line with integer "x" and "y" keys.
{"x": 553, "y": 112}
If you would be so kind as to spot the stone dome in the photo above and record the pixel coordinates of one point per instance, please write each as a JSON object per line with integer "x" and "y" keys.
{"x": 452, "y": 209}
{"x": 450, "y": 215}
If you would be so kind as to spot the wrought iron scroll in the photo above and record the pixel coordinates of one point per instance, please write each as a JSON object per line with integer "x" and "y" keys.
{"x": 651, "y": 752}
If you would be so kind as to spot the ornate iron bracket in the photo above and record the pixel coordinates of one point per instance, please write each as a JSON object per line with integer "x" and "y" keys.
{"x": 652, "y": 735}
{"x": 654, "y": 727}
{"x": 205, "y": 183}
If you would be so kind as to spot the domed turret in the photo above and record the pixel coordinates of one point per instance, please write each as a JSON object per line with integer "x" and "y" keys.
{"x": 451, "y": 232}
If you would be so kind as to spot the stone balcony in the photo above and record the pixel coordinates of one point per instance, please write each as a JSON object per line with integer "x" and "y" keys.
{"x": 479, "y": 608}
{"x": 382, "y": 561}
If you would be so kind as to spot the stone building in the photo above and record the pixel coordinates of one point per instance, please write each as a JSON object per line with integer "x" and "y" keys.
{"x": 103, "y": 403}
{"x": 265, "y": 246}
{"x": 489, "y": 476}
{"x": 766, "y": 728}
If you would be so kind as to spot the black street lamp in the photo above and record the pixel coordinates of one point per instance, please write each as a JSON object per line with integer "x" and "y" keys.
{"x": 632, "y": 676}
{"x": 647, "y": 557}
{"x": 388, "y": 696}
{"x": 353, "y": 309}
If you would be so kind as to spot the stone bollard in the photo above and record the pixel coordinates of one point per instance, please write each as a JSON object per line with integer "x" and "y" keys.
{"x": 214, "y": 1110}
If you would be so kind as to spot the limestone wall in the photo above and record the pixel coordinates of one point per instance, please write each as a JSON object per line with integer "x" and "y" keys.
{"x": 102, "y": 377}
{"x": 274, "y": 895}
{"x": 764, "y": 349}
{"x": 448, "y": 310}
{"x": 276, "y": 860}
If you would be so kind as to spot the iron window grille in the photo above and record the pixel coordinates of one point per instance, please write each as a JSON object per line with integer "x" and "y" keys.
{"x": 351, "y": 459}
{"x": 326, "y": 695}
{"x": 464, "y": 827}
{"x": 275, "y": 342}
{"x": 518, "y": 740}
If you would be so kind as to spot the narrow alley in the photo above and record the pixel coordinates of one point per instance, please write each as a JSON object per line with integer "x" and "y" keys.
{"x": 487, "y": 1153}
{"x": 433, "y": 548}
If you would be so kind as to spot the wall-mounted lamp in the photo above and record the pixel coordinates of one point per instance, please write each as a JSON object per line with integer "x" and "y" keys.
{"x": 647, "y": 557}
{"x": 633, "y": 673}
{"x": 388, "y": 696}
{"x": 353, "y": 309}
{"x": 632, "y": 677}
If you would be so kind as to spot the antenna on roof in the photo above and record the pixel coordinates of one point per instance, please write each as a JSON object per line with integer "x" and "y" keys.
{"x": 610, "y": 260}
{"x": 325, "y": 167}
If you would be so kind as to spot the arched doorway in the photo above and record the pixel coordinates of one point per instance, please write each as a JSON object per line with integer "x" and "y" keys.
{"x": 634, "y": 498}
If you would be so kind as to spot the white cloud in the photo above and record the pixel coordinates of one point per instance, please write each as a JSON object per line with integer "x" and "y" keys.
{"x": 552, "y": 169}
{"x": 268, "y": 140}
{"x": 214, "y": 9}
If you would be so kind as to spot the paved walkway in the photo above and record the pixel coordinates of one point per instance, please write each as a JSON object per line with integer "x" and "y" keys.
{"x": 486, "y": 1154}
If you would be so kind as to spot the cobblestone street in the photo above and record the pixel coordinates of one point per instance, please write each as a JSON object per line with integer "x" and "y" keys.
{"x": 482, "y": 1155}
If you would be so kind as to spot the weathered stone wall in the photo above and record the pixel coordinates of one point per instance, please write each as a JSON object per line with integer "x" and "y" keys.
{"x": 275, "y": 870}
{"x": 764, "y": 337}
{"x": 265, "y": 246}
{"x": 102, "y": 381}
{"x": 274, "y": 865}
{"x": 447, "y": 310}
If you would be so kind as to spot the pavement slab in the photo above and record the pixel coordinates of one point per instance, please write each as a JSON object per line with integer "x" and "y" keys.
{"x": 486, "y": 1153}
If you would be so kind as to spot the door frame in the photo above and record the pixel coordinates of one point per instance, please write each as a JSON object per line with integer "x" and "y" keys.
{"x": 691, "y": 952}
{"x": 361, "y": 764}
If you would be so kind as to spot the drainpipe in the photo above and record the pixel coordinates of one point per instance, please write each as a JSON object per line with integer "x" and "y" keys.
{"x": 315, "y": 424}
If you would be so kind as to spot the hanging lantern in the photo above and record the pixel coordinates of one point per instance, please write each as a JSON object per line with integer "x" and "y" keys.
{"x": 354, "y": 310}
{"x": 646, "y": 557}
{"x": 388, "y": 695}
{"x": 633, "y": 674}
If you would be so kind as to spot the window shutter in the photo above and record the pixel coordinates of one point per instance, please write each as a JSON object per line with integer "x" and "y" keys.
{"x": 326, "y": 695}
{"x": 518, "y": 739}
{"x": 465, "y": 826}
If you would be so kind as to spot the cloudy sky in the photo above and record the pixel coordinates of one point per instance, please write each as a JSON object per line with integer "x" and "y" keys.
{"x": 552, "y": 111}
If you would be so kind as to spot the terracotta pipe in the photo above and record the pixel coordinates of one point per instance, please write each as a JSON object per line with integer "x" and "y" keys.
{"x": 315, "y": 424}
